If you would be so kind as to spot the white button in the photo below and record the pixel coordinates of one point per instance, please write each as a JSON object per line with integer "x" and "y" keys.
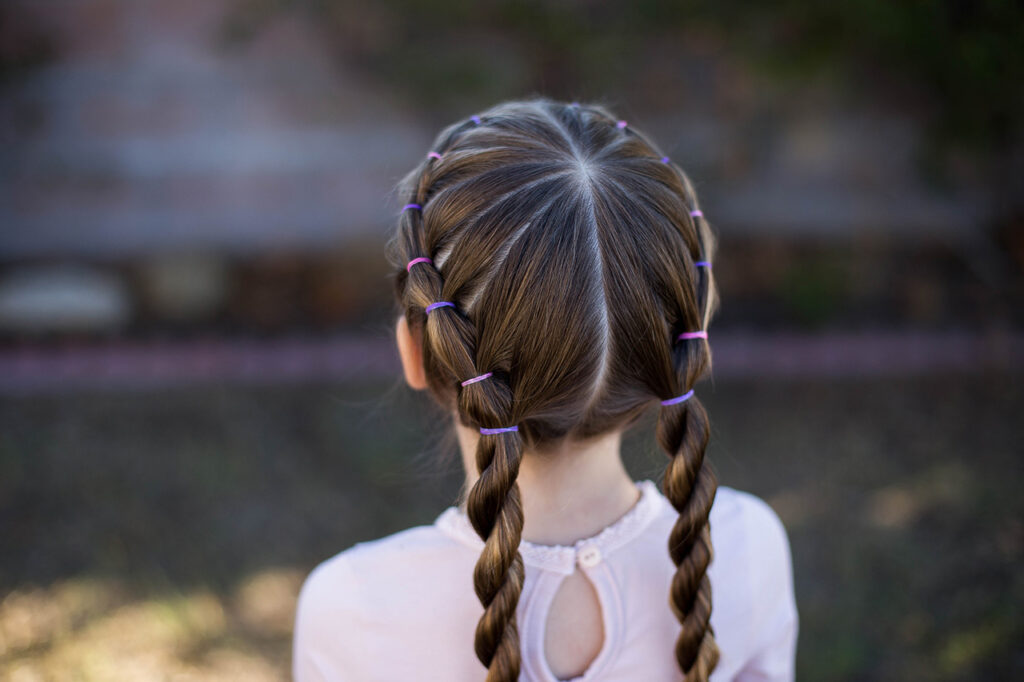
{"x": 589, "y": 556}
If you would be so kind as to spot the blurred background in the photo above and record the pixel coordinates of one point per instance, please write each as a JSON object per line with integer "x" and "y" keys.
{"x": 199, "y": 400}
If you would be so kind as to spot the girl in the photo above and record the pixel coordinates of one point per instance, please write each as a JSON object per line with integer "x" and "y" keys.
{"x": 554, "y": 271}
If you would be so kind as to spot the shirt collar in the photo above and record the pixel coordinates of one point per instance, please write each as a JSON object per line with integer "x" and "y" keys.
{"x": 562, "y": 558}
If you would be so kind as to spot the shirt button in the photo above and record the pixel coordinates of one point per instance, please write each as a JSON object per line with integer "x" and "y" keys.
{"x": 589, "y": 556}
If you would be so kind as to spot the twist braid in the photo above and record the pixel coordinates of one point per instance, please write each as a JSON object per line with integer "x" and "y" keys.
{"x": 494, "y": 506}
{"x": 690, "y": 486}
{"x": 495, "y": 510}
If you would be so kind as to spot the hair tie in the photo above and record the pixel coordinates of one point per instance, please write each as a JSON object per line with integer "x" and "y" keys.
{"x": 503, "y": 429}
{"x": 575, "y": 105}
{"x": 434, "y": 155}
{"x": 408, "y": 206}
{"x": 414, "y": 261}
{"x": 678, "y": 399}
{"x": 693, "y": 335}
{"x": 467, "y": 382}
{"x": 702, "y": 264}
{"x": 696, "y": 213}
{"x": 475, "y": 119}
{"x": 439, "y": 304}
{"x": 621, "y": 124}
{"x": 664, "y": 159}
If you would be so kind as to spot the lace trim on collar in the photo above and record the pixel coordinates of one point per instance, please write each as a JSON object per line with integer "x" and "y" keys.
{"x": 562, "y": 558}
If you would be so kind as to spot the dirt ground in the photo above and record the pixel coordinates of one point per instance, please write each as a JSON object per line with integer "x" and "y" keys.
{"x": 164, "y": 535}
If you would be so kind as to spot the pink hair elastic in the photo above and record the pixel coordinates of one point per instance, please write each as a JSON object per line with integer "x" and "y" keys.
{"x": 467, "y": 382}
{"x": 702, "y": 264}
{"x": 414, "y": 261}
{"x": 693, "y": 335}
{"x": 503, "y": 429}
{"x": 434, "y": 155}
{"x": 678, "y": 399}
{"x": 621, "y": 124}
{"x": 439, "y": 304}
{"x": 408, "y": 206}
{"x": 696, "y": 213}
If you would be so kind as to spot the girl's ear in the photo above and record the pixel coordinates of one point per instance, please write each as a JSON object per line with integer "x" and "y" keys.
{"x": 412, "y": 355}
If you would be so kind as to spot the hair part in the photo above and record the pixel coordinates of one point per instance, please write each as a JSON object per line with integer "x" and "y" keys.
{"x": 567, "y": 244}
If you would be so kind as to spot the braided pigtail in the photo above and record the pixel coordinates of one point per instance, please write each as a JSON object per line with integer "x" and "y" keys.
{"x": 484, "y": 400}
{"x": 690, "y": 483}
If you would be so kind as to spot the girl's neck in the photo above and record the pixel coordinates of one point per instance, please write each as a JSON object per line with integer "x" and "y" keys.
{"x": 568, "y": 494}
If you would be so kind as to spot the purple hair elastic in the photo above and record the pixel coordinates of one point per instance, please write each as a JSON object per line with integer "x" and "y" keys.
{"x": 702, "y": 264}
{"x": 475, "y": 119}
{"x": 408, "y": 206}
{"x": 467, "y": 382}
{"x": 621, "y": 124}
{"x": 696, "y": 213}
{"x": 664, "y": 159}
{"x": 678, "y": 399}
{"x": 439, "y": 304}
{"x": 414, "y": 261}
{"x": 434, "y": 155}
{"x": 575, "y": 104}
{"x": 503, "y": 429}
{"x": 693, "y": 335}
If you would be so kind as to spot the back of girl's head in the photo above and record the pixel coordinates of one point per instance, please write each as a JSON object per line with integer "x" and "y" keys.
{"x": 573, "y": 266}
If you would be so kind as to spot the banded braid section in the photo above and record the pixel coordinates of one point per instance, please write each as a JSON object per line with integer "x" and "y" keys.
{"x": 493, "y": 505}
{"x": 686, "y": 299}
{"x": 690, "y": 483}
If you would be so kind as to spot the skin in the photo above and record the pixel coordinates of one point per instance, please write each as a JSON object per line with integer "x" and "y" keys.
{"x": 568, "y": 494}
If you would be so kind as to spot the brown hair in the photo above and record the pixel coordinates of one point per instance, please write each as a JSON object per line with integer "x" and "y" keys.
{"x": 566, "y": 242}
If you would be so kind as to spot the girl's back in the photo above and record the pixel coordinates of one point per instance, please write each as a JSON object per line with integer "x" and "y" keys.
{"x": 398, "y": 608}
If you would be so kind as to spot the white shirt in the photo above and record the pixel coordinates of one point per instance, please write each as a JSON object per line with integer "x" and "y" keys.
{"x": 403, "y": 607}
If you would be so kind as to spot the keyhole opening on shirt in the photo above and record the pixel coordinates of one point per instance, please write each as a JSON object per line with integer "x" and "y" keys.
{"x": 574, "y": 629}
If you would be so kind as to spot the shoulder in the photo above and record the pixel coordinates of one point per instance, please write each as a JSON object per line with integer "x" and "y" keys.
{"x": 747, "y": 523}
{"x": 364, "y": 574}
{"x": 412, "y": 544}
{"x": 743, "y": 527}
{"x": 755, "y": 614}
{"x": 354, "y": 604}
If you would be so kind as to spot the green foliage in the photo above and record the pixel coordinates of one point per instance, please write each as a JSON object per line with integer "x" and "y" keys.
{"x": 961, "y": 58}
{"x": 958, "y": 62}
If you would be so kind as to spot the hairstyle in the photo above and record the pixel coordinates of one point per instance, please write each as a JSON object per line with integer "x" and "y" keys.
{"x": 571, "y": 250}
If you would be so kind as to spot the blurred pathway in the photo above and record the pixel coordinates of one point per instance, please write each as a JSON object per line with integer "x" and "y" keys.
{"x": 308, "y": 359}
